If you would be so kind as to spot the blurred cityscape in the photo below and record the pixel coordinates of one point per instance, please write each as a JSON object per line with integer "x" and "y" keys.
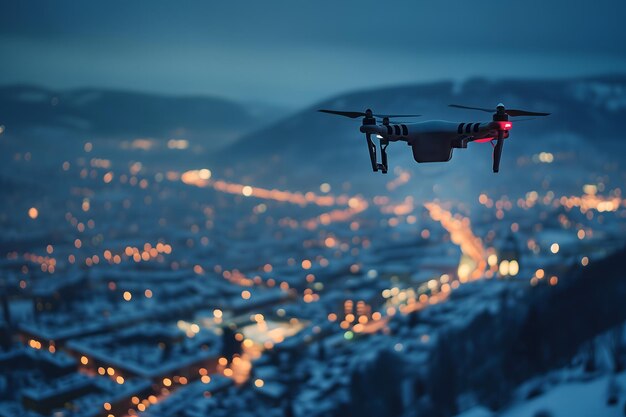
{"x": 151, "y": 276}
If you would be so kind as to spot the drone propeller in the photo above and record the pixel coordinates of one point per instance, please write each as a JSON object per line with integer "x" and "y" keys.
{"x": 355, "y": 114}
{"x": 458, "y": 106}
{"x": 515, "y": 113}
{"x": 501, "y": 110}
{"x": 525, "y": 120}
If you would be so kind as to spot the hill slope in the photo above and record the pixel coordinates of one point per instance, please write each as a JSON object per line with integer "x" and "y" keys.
{"x": 112, "y": 113}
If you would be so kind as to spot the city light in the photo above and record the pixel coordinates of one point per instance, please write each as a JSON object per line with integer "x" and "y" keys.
{"x": 462, "y": 235}
{"x": 163, "y": 284}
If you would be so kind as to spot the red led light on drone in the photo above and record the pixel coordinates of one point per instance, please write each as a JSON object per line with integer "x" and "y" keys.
{"x": 506, "y": 125}
{"x": 484, "y": 140}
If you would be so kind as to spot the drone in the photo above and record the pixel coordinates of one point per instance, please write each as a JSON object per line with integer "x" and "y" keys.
{"x": 434, "y": 140}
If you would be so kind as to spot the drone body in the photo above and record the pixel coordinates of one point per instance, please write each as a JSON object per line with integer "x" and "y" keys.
{"x": 434, "y": 140}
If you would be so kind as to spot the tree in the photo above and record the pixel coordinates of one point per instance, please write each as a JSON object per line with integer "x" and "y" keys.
{"x": 616, "y": 337}
{"x": 230, "y": 345}
{"x": 376, "y": 386}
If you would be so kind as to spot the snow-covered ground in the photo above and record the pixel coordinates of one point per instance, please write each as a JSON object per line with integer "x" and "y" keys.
{"x": 568, "y": 399}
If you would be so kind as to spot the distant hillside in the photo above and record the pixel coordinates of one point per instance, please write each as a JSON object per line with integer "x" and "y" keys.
{"x": 112, "y": 113}
{"x": 309, "y": 148}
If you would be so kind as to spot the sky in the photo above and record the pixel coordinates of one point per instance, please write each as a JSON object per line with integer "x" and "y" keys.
{"x": 295, "y": 52}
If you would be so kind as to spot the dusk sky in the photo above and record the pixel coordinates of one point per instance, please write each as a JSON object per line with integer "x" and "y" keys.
{"x": 296, "y": 52}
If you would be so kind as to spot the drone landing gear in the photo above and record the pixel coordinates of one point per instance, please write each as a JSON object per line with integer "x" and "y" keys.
{"x": 383, "y": 154}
